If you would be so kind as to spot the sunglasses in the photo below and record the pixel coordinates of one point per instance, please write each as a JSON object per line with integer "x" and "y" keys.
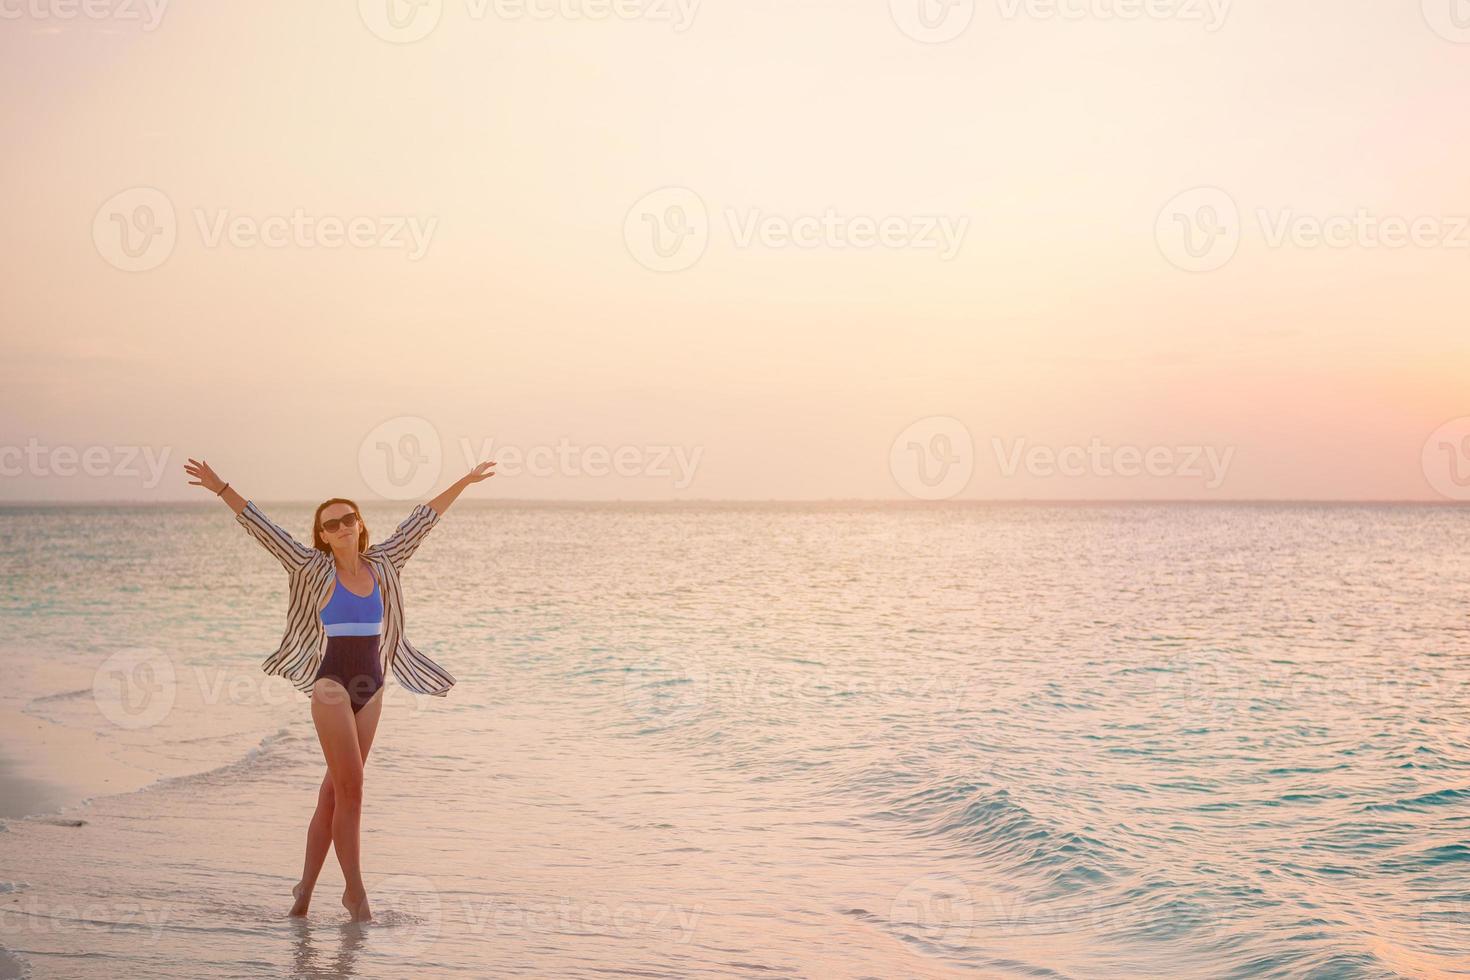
{"x": 346, "y": 520}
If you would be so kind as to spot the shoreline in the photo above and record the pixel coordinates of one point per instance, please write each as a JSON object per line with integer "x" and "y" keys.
{"x": 70, "y": 768}
{"x": 48, "y": 769}
{"x": 23, "y": 796}
{"x": 49, "y": 766}
{"x": 63, "y": 749}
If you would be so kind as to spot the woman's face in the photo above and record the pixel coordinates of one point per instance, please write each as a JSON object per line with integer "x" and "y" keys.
{"x": 346, "y": 531}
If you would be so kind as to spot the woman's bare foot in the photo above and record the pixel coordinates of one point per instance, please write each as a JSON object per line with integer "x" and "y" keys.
{"x": 357, "y": 907}
{"x": 303, "y": 899}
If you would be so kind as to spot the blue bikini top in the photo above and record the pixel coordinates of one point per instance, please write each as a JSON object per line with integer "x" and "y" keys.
{"x": 349, "y": 614}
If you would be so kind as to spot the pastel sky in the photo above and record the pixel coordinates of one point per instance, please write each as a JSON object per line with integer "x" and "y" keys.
{"x": 884, "y": 261}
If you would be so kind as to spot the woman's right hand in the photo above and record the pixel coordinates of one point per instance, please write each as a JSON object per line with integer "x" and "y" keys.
{"x": 206, "y": 476}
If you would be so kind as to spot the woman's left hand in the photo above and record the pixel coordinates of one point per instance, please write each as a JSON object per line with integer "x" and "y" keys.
{"x": 483, "y": 471}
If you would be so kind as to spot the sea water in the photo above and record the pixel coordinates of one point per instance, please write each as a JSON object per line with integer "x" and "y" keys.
{"x": 825, "y": 740}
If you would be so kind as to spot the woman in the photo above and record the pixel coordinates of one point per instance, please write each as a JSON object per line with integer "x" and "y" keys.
{"x": 344, "y": 627}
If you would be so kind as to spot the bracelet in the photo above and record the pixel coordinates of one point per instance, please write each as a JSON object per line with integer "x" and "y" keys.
{"x": 222, "y": 489}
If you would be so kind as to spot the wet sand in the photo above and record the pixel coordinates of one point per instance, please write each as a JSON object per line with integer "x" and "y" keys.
{"x": 22, "y": 796}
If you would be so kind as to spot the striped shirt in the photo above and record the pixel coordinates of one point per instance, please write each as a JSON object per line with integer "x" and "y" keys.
{"x": 312, "y": 575}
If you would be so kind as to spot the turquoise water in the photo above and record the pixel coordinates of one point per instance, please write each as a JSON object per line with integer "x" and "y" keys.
{"x": 797, "y": 740}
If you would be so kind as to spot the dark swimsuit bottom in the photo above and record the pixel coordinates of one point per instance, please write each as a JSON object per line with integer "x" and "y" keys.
{"x": 353, "y": 662}
{"x": 354, "y": 625}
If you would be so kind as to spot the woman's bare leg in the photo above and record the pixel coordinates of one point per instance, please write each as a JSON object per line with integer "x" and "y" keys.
{"x": 336, "y": 729}
{"x": 318, "y": 842}
{"x": 319, "y": 833}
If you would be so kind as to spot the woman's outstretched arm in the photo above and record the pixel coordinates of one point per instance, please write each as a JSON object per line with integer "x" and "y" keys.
{"x": 209, "y": 481}
{"x": 406, "y": 538}
{"x": 482, "y": 471}
{"x": 292, "y": 554}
